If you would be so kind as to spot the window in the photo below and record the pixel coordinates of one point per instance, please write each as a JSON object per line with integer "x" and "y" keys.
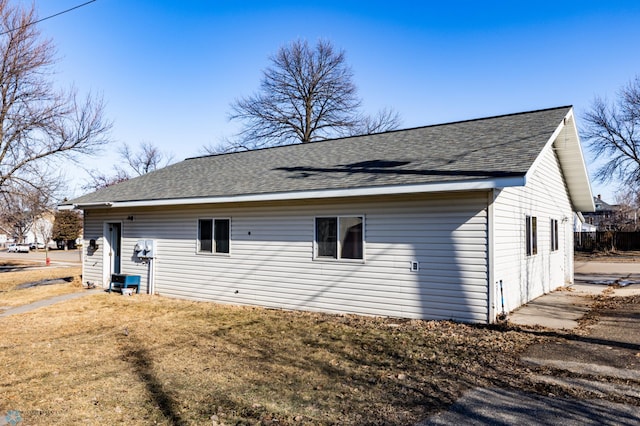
{"x": 221, "y": 235}
{"x": 554, "y": 234}
{"x": 213, "y": 235}
{"x": 532, "y": 235}
{"x": 340, "y": 237}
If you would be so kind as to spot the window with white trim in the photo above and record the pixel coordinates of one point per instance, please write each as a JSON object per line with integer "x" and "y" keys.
{"x": 213, "y": 235}
{"x": 532, "y": 235}
{"x": 339, "y": 237}
{"x": 554, "y": 234}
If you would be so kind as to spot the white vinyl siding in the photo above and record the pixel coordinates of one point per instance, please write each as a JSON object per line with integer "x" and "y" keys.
{"x": 92, "y": 259}
{"x": 545, "y": 197}
{"x": 273, "y": 261}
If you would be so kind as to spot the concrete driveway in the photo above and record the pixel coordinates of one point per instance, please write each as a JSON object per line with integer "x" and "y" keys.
{"x": 602, "y": 361}
{"x": 563, "y": 308}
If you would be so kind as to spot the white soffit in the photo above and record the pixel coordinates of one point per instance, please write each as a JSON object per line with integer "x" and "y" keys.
{"x": 567, "y": 146}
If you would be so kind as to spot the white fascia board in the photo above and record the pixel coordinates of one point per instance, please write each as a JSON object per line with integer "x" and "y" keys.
{"x": 586, "y": 203}
{"x": 575, "y": 171}
{"x": 472, "y": 185}
{"x": 84, "y": 206}
{"x": 549, "y": 144}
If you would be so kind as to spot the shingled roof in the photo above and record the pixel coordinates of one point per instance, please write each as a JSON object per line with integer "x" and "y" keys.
{"x": 497, "y": 149}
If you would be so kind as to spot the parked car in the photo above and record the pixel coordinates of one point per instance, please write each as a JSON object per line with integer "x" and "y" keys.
{"x": 18, "y": 248}
{"x": 39, "y": 246}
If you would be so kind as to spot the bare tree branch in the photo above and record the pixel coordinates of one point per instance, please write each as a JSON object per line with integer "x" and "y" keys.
{"x": 386, "y": 119}
{"x": 306, "y": 94}
{"x": 25, "y": 205}
{"x": 38, "y": 124}
{"x": 611, "y": 133}
{"x": 147, "y": 159}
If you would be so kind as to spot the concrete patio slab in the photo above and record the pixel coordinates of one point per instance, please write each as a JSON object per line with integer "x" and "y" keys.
{"x": 557, "y": 310}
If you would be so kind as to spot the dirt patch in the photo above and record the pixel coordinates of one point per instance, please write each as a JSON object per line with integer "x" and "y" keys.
{"x": 50, "y": 281}
{"x": 11, "y": 280}
{"x": 14, "y": 262}
{"x": 17, "y": 289}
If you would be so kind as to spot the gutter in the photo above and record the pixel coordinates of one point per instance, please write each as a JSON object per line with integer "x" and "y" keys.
{"x": 472, "y": 185}
{"x": 84, "y": 206}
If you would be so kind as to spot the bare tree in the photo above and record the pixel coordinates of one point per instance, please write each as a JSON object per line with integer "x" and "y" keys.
{"x": 44, "y": 231}
{"x": 101, "y": 180}
{"x": 385, "y": 119}
{"x": 16, "y": 215}
{"x": 147, "y": 159}
{"x": 627, "y": 209}
{"x": 612, "y": 133}
{"x": 38, "y": 124}
{"x": 306, "y": 94}
{"x": 23, "y": 208}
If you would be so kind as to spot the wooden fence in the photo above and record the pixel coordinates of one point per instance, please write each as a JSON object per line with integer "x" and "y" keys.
{"x": 606, "y": 241}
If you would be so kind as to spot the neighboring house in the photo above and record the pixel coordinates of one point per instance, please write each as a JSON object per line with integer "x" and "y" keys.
{"x": 612, "y": 217}
{"x": 604, "y": 217}
{"x": 416, "y": 223}
{"x": 580, "y": 224}
{"x": 6, "y": 235}
{"x": 40, "y": 230}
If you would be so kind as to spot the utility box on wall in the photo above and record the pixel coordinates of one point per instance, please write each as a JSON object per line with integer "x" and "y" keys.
{"x": 145, "y": 249}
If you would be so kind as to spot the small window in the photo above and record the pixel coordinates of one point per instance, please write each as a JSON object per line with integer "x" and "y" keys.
{"x": 554, "y": 234}
{"x": 340, "y": 237}
{"x": 205, "y": 235}
{"x": 221, "y": 235}
{"x": 532, "y": 235}
{"x": 213, "y": 235}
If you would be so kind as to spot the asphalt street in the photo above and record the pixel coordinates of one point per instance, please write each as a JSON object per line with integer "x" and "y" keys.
{"x": 55, "y": 256}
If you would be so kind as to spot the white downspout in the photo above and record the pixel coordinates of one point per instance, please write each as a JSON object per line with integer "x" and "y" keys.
{"x": 491, "y": 196}
{"x": 151, "y": 277}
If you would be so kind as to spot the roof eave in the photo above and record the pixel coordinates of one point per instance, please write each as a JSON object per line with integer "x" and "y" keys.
{"x": 85, "y": 206}
{"x": 468, "y": 185}
{"x": 566, "y": 143}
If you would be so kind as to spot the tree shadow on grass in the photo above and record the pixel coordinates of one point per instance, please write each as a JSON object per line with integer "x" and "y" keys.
{"x": 138, "y": 357}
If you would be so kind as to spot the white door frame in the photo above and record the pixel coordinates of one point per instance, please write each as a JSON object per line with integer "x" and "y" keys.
{"x": 107, "y": 252}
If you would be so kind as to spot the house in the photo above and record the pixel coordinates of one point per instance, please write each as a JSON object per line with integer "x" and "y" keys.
{"x": 612, "y": 217}
{"x": 28, "y": 230}
{"x": 580, "y": 224}
{"x": 417, "y": 223}
{"x": 39, "y": 230}
{"x": 603, "y": 218}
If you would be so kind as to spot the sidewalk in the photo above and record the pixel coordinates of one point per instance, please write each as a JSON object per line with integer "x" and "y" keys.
{"x": 48, "y": 302}
{"x": 563, "y": 308}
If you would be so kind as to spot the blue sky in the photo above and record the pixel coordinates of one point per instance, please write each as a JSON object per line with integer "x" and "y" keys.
{"x": 168, "y": 70}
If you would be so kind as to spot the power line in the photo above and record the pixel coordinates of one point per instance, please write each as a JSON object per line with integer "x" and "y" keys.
{"x": 50, "y": 16}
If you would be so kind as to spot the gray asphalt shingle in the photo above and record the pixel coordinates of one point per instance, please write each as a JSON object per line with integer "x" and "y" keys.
{"x": 486, "y": 148}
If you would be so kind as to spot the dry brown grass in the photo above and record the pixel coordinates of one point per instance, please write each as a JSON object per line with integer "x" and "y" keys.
{"x": 608, "y": 256}
{"x": 109, "y": 359}
{"x": 11, "y": 297}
